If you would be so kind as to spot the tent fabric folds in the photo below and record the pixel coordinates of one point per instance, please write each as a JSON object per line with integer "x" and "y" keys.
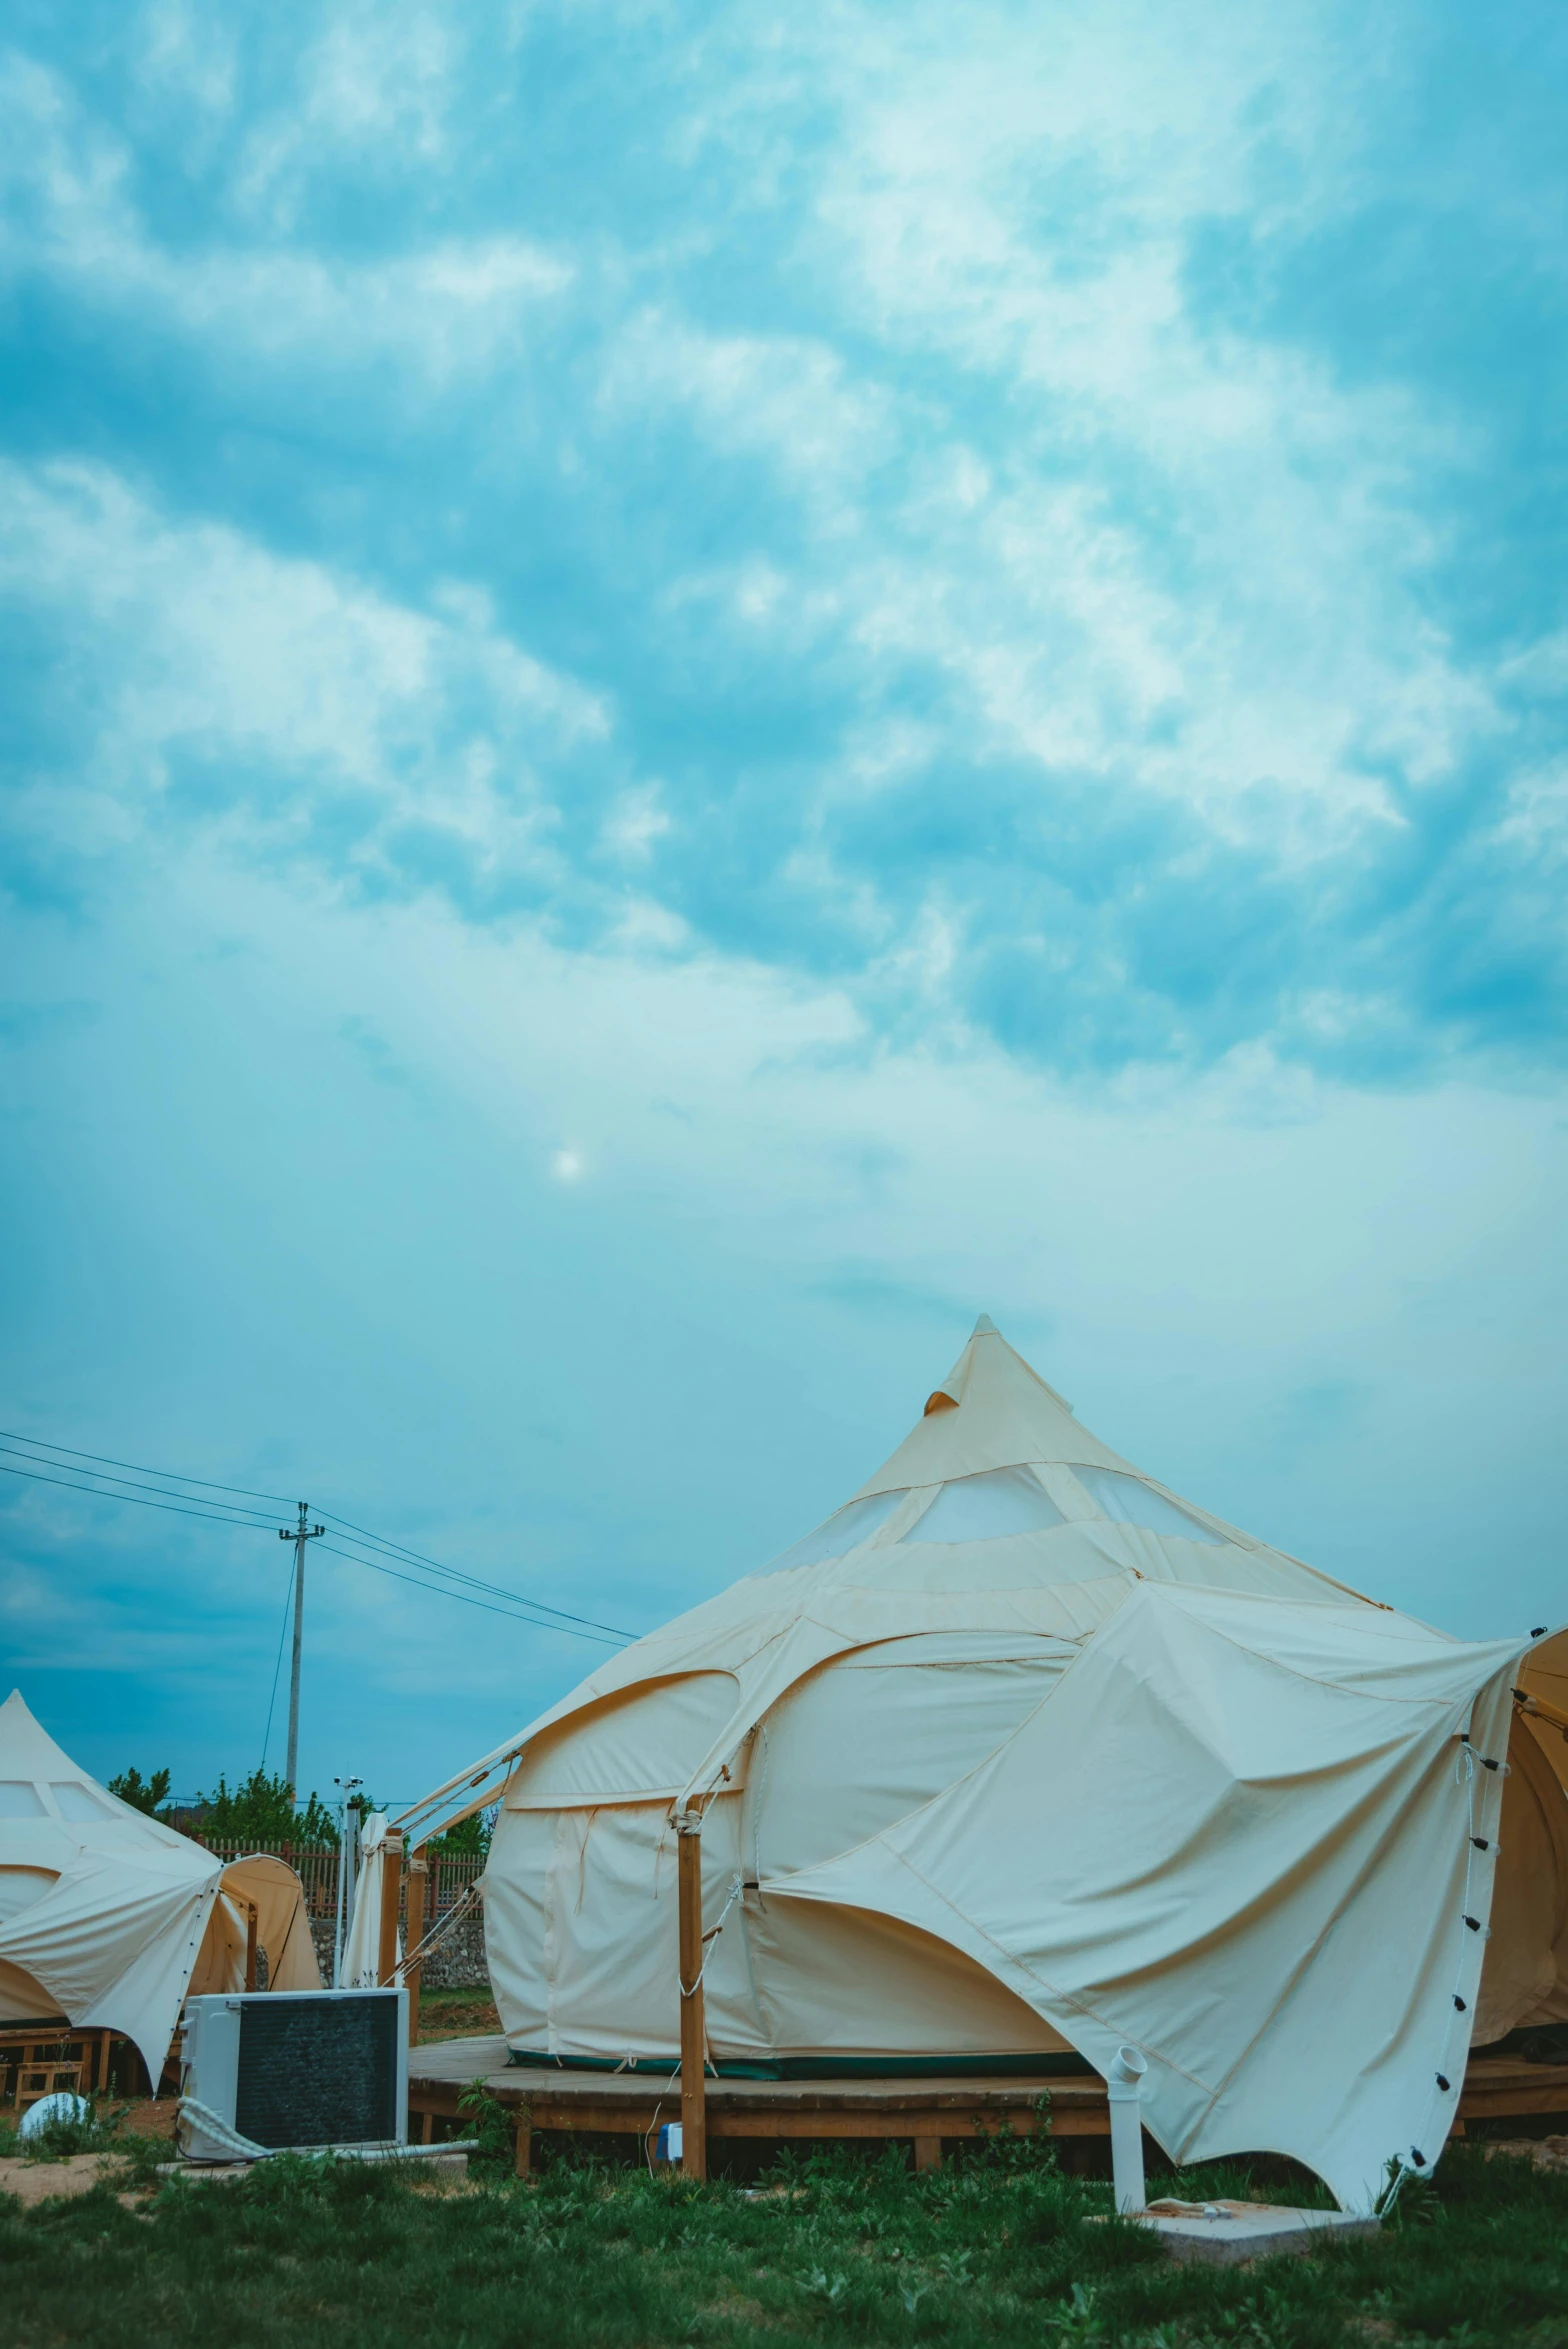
{"x": 362, "y": 1943}
{"x": 1277, "y": 1797}
{"x": 109, "y": 1918}
{"x": 1021, "y": 1756}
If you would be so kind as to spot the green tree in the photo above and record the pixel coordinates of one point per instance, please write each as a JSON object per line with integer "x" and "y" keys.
{"x": 147, "y": 1795}
{"x": 260, "y": 1812}
{"x": 469, "y": 1835}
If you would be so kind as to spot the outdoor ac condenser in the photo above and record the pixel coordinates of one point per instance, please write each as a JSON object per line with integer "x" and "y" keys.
{"x": 293, "y": 2068}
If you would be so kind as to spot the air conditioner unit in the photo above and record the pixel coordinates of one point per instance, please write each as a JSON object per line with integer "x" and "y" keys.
{"x": 294, "y": 2069}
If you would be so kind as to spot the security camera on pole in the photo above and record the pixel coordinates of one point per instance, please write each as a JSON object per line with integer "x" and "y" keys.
{"x": 299, "y": 1535}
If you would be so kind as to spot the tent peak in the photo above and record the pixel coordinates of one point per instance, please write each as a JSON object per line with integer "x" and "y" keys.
{"x": 30, "y": 1751}
{"x": 993, "y": 1410}
{"x": 949, "y": 1395}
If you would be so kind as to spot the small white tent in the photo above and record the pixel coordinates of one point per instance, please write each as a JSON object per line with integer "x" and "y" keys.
{"x": 109, "y": 1918}
{"x": 1019, "y": 1754}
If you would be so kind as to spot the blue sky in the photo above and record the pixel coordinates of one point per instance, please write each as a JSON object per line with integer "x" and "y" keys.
{"x": 689, "y": 692}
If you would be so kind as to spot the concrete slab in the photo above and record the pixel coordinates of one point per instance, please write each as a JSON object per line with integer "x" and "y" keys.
{"x": 1221, "y": 2234}
{"x": 447, "y": 2161}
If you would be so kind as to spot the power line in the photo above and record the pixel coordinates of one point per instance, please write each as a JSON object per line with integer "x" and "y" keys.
{"x": 577, "y": 1625}
{"x": 417, "y": 1558}
{"x": 605, "y": 1638}
{"x": 169, "y": 1475}
{"x": 22, "y": 1448}
{"x": 283, "y": 1628}
{"x": 221, "y": 1513}
{"x": 171, "y": 1508}
{"x": 33, "y": 1458}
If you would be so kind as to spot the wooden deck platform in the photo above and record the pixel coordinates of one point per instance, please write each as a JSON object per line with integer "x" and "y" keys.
{"x": 924, "y": 2111}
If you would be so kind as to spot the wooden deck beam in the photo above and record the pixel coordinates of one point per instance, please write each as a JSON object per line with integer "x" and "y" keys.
{"x": 924, "y": 2112}
{"x": 1500, "y": 2088}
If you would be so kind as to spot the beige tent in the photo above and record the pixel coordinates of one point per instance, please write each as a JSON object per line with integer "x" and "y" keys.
{"x": 1018, "y": 1756}
{"x": 109, "y": 1918}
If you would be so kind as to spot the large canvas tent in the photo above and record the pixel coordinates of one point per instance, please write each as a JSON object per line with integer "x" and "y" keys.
{"x": 1019, "y": 1757}
{"x": 110, "y": 1918}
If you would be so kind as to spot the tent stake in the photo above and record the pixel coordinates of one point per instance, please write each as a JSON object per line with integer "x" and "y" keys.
{"x": 414, "y": 1934}
{"x": 694, "y": 2095}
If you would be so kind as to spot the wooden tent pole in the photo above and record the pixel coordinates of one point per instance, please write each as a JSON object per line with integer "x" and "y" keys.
{"x": 414, "y": 1931}
{"x": 251, "y": 1968}
{"x": 694, "y": 2096}
{"x": 391, "y": 1892}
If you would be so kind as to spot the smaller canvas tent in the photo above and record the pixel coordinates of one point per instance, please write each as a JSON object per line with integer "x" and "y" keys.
{"x": 109, "y": 1917}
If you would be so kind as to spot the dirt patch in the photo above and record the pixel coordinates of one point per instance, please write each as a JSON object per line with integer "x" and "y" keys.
{"x": 736, "y": 2310}
{"x": 147, "y": 2116}
{"x": 1543, "y": 2153}
{"x": 458, "y": 2015}
{"x": 33, "y": 2182}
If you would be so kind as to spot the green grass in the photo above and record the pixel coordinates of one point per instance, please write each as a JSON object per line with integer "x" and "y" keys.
{"x": 998, "y": 2249}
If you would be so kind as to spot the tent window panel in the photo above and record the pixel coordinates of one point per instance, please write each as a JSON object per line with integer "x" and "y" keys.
{"x": 20, "y": 1799}
{"x": 638, "y": 1743}
{"x": 850, "y": 1751}
{"x": 1127, "y": 1500}
{"x": 79, "y": 1804}
{"x": 20, "y": 1887}
{"x": 941, "y": 1650}
{"x": 845, "y": 1980}
{"x": 844, "y": 1531}
{"x": 987, "y": 1507}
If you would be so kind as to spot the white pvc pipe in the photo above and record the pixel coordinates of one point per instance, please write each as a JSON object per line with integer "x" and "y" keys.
{"x": 1123, "y": 2086}
{"x": 340, "y": 1911}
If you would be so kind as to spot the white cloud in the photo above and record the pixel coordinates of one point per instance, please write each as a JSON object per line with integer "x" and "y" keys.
{"x": 448, "y": 308}
{"x": 376, "y": 81}
{"x": 1021, "y": 509}
{"x": 635, "y": 822}
{"x": 188, "y": 55}
{"x": 788, "y": 397}
{"x": 1179, "y": 560}
{"x": 1168, "y": 554}
{"x": 1534, "y": 824}
{"x": 314, "y": 704}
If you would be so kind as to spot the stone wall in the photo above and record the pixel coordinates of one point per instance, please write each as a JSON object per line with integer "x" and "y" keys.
{"x": 456, "y": 1963}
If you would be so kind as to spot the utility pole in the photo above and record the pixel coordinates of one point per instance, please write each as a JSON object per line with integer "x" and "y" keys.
{"x": 299, "y": 1535}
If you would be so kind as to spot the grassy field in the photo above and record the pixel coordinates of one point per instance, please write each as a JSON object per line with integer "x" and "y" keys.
{"x": 998, "y": 2248}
